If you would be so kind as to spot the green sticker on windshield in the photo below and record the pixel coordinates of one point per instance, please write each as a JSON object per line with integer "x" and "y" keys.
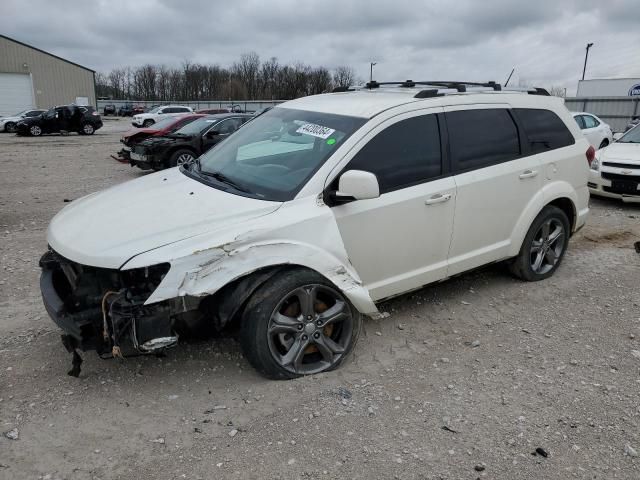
{"x": 331, "y": 141}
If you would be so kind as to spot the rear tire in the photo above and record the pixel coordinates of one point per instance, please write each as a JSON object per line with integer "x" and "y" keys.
{"x": 298, "y": 323}
{"x": 605, "y": 143}
{"x": 543, "y": 247}
{"x": 147, "y": 123}
{"x": 10, "y": 127}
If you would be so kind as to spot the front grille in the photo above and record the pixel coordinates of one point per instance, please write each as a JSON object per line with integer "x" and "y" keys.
{"x": 620, "y": 165}
{"x": 618, "y": 176}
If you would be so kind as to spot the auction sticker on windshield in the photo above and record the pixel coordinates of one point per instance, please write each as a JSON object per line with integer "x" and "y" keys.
{"x": 316, "y": 130}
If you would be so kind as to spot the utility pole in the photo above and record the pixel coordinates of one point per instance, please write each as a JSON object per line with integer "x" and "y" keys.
{"x": 371, "y": 74}
{"x": 586, "y": 56}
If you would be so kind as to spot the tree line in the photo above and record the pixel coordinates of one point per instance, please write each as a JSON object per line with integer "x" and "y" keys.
{"x": 247, "y": 79}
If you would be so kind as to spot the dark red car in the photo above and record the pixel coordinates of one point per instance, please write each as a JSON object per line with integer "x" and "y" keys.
{"x": 163, "y": 127}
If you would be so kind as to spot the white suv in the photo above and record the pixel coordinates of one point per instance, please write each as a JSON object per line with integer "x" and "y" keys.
{"x": 158, "y": 113}
{"x": 298, "y": 224}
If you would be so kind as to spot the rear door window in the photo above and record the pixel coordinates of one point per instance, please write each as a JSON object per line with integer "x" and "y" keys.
{"x": 480, "y": 138}
{"x": 543, "y": 129}
{"x": 404, "y": 154}
{"x": 590, "y": 122}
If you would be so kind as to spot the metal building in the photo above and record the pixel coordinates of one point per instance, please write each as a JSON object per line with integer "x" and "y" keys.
{"x": 33, "y": 78}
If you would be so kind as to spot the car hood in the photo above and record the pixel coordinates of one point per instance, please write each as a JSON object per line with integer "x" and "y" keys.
{"x": 138, "y": 131}
{"x": 29, "y": 120}
{"x": 10, "y": 119}
{"x": 621, "y": 153}
{"x": 108, "y": 228}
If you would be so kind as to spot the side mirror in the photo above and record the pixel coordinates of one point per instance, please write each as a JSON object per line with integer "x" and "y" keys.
{"x": 617, "y": 136}
{"x": 357, "y": 184}
{"x": 212, "y": 133}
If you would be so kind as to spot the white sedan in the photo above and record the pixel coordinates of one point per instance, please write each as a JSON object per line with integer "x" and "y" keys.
{"x": 597, "y": 132}
{"x": 615, "y": 172}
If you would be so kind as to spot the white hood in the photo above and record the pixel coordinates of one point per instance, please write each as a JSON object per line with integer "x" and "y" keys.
{"x": 107, "y": 228}
{"x": 621, "y": 153}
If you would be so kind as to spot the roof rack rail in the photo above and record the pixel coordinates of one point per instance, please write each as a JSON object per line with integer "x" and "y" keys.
{"x": 440, "y": 87}
{"x": 343, "y": 89}
{"x": 460, "y": 86}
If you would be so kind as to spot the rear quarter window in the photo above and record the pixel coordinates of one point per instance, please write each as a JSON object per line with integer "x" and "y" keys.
{"x": 543, "y": 129}
{"x": 482, "y": 137}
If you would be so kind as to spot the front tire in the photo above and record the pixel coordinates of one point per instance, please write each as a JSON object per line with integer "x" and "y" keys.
{"x": 147, "y": 123}
{"x": 10, "y": 127}
{"x": 544, "y": 246}
{"x": 87, "y": 129}
{"x": 181, "y": 157}
{"x": 35, "y": 130}
{"x": 296, "y": 324}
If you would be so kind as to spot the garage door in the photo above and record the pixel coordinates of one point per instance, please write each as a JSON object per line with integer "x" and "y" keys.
{"x": 16, "y": 93}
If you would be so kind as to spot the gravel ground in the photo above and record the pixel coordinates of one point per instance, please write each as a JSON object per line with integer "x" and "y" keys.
{"x": 464, "y": 380}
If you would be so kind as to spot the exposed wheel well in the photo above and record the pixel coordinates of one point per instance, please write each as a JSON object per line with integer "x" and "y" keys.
{"x": 567, "y": 206}
{"x": 226, "y": 305}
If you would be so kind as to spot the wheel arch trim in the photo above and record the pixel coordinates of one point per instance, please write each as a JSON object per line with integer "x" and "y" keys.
{"x": 553, "y": 192}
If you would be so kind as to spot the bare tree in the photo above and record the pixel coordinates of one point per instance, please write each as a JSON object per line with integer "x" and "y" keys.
{"x": 116, "y": 82}
{"x": 267, "y": 78}
{"x": 246, "y": 71}
{"x": 248, "y": 78}
{"x": 319, "y": 81}
{"x": 343, "y": 76}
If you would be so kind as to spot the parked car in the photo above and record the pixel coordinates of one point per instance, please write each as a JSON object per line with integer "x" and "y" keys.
{"x": 109, "y": 109}
{"x": 139, "y": 109}
{"x": 62, "y": 119}
{"x": 8, "y": 124}
{"x": 597, "y": 132}
{"x": 125, "y": 110}
{"x": 187, "y": 143}
{"x": 163, "y": 127}
{"x": 152, "y": 116}
{"x": 212, "y": 111}
{"x": 615, "y": 172}
{"x": 298, "y": 224}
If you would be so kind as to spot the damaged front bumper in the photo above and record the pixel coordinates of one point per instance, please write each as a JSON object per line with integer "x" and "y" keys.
{"x": 144, "y": 162}
{"x": 103, "y": 309}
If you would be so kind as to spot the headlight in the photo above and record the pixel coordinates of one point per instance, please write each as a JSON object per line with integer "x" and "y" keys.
{"x": 595, "y": 165}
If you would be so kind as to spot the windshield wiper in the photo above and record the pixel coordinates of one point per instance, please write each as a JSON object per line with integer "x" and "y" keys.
{"x": 222, "y": 178}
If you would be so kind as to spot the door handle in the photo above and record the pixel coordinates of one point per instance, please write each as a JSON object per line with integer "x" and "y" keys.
{"x": 438, "y": 198}
{"x": 528, "y": 174}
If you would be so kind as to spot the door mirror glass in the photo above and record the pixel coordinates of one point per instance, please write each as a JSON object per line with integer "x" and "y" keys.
{"x": 358, "y": 184}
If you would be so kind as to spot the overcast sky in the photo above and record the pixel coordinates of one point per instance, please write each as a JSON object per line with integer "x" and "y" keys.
{"x": 433, "y": 39}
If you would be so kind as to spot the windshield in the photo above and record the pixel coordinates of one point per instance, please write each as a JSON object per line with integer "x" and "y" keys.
{"x": 632, "y": 136}
{"x": 194, "y": 128}
{"x": 20, "y": 113}
{"x": 274, "y": 155}
{"x": 154, "y": 110}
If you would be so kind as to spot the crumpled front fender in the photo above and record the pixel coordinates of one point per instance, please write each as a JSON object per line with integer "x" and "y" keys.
{"x": 273, "y": 240}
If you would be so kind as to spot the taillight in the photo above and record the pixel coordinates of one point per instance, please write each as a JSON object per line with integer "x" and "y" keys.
{"x": 591, "y": 154}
